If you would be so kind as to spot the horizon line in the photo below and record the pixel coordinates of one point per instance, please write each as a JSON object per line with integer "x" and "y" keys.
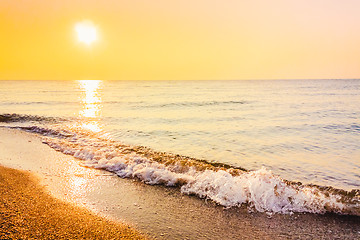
{"x": 255, "y": 79}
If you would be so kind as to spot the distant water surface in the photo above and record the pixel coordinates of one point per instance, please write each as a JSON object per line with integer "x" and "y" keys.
{"x": 302, "y": 130}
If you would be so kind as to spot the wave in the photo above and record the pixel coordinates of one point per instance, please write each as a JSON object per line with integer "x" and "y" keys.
{"x": 7, "y": 118}
{"x": 228, "y": 186}
{"x": 40, "y": 103}
{"x": 195, "y": 104}
{"x": 353, "y": 128}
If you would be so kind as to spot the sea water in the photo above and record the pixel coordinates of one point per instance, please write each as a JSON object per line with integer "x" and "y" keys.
{"x": 288, "y": 135}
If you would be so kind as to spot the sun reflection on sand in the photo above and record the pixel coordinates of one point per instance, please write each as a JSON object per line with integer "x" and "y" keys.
{"x": 77, "y": 182}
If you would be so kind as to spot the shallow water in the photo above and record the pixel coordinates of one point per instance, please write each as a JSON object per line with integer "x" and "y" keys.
{"x": 302, "y": 130}
{"x": 161, "y": 212}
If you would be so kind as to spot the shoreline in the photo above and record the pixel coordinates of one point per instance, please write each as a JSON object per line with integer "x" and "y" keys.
{"x": 158, "y": 211}
{"x": 28, "y": 211}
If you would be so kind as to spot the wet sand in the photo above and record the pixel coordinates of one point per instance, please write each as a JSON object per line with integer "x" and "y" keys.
{"x": 29, "y": 212}
{"x": 161, "y": 212}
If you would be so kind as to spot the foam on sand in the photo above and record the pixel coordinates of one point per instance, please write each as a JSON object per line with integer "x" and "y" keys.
{"x": 260, "y": 190}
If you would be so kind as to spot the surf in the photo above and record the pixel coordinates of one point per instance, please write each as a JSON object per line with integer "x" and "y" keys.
{"x": 259, "y": 190}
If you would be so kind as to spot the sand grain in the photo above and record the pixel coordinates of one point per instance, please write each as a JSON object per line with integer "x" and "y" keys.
{"x": 27, "y": 211}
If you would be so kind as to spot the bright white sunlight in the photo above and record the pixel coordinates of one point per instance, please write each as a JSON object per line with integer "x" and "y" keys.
{"x": 86, "y": 32}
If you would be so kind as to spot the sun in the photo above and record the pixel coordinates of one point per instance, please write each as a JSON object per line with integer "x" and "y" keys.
{"x": 86, "y": 32}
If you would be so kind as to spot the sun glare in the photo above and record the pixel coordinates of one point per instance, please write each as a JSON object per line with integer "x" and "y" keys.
{"x": 91, "y": 99}
{"x": 91, "y": 105}
{"x": 86, "y": 32}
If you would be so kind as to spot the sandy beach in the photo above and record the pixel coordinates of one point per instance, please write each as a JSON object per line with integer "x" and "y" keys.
{"x": 29, "y": 212}
{"x": 158, "y": 211}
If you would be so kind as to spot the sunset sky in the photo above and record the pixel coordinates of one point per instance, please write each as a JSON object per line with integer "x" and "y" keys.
{"x": 180, "y": 39}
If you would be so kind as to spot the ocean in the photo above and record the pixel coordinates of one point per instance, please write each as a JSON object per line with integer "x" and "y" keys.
{"x": 278, "y": 146}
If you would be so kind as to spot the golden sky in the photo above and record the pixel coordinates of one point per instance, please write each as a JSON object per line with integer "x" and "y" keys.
{"x": 181, "y": 39}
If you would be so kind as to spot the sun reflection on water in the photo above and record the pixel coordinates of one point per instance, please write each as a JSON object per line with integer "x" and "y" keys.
{"x": 91, "y": 105}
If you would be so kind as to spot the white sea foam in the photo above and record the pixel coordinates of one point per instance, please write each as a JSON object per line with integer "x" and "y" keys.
{"x": 260, "y": 190}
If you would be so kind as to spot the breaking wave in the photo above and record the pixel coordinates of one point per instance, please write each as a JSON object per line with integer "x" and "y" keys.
{"x": 259, "y": 190}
